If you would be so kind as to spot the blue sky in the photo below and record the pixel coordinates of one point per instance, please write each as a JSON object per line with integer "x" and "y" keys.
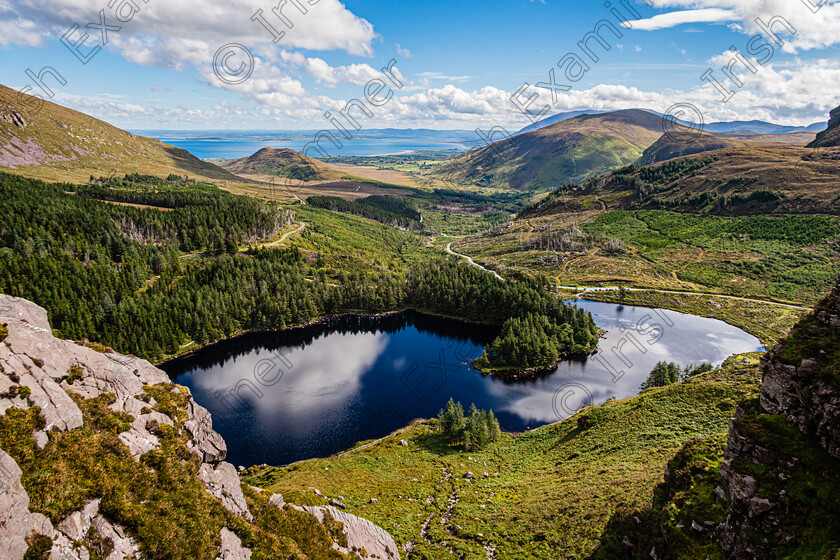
{"x": 458, "y": 62}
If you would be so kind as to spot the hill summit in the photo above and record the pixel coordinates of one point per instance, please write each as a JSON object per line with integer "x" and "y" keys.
{"x": 281, "y": 162}
{"x": 567, "y": 151}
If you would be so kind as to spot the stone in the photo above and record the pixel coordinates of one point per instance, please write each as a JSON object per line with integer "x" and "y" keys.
{"x": 209, "y": 445}
{"x": 223, "y": 483}
{"x": 124, "y": 546}
{"x": 468, "y": 475}
{"x": 338, "y": 504}
{"x": 317, "y": 492}
{"x": 403, "y": 443}
{"x": 41, "y": 438}
{"x": 360, "y": 533}
{"x": 77, "y": 524}
{"x": 16, "y": 521}
{"x": 759, "y": 506}
{"x": 231, "y": 547}
{"x": 374, "y": 501}
{"x": 277, "y": 500}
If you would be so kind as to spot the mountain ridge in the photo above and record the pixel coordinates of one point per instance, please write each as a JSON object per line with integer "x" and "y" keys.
{"x": 58, "y": 143}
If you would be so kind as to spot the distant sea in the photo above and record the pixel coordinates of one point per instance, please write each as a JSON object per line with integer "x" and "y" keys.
{"x": 214, "y": 144}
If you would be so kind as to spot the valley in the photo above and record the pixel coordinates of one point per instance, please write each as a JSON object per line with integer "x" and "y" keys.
{"x": 561, "y": 267}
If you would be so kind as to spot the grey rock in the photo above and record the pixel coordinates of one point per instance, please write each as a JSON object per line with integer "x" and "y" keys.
{"x": 231, "y": 547}
{"x": 209, "y": 445}
{"x": 65, "y": 549}
{"x": 124, "y": 546}
{"x": 759, "y": 506}
{"x": 138, "y": 438}
{"x": 16, "y": 521}
{"x": 41, "y": 438}
{"x": 360, "y": 533}
{"x": 277, "y": 500}
{"x": 223, "y": 483}
{"x": 338, "y": 504}
{"x": 77, "y": 524}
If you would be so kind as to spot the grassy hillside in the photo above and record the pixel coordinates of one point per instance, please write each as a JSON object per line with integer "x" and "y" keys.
{"x": 548, "y": 493}
{"x": 567, "y": 151}
{"x": 667, "y": 147}
{"x": 60, "y": 144}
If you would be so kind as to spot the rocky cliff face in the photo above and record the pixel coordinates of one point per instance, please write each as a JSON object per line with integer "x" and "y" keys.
{"x": 59, "y": 379}
{"x": 786, "y": 442}
{"x": 830, "y": 136}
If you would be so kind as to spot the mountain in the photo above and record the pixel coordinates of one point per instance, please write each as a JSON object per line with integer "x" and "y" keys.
{"x": 57, "y": 143}
{"x": 564, "y": 152}
{"x": 559, "y": 117}
{"x": 102, "y": 456}
{"x": 283, "y": 162}
{"x": 668, "y": 147}
{"x": 759, "y": 127}
{"x": 831, "y": 136}
{"x": 729, "y": 127}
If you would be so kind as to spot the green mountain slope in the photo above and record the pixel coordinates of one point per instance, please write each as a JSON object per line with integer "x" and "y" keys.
{"x": 57, "y": 143}
{"x": 567, "y": 151}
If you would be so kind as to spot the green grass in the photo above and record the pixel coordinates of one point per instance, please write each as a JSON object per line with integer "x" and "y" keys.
{"x": 557, "y": 486}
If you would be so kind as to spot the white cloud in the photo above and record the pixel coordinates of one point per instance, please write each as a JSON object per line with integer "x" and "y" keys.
{"x": 441, "y": 76}
{"x": 405, "y": 53}
{"x": 813, "y": 30}
{"x": 672, "y": 19}
{"x": 170, "y": 33}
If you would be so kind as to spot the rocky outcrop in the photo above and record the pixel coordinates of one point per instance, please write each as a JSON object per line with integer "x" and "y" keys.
{"x": 122, "y": 545}
{"x": 223, "y": 483}
{"x": 37, "y": 369}
{"x": 231, "y": 547}
{"x": 207, "y": 444}
{"x": 360, "y": 533}
{"x": 803, "y": 392}
{"x": 799, "y": 406}
{"x": 830, "y": 136}
{"x": 16, "y": 521}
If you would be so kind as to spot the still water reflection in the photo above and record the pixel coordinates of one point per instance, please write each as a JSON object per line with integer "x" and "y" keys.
{"x": 282, "y": 397}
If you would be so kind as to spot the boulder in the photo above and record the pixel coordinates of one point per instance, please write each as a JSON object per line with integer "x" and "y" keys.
{"x": 360, "y": 533}
{"x": 223, "y": 483}
{"x": 231, "y": 547}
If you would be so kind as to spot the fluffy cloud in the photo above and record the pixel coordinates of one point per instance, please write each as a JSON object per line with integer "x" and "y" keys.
{"x": 170, "y": 33}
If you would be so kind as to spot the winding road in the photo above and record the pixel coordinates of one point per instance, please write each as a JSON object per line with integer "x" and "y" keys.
{"x": 472, "y": 262}
{"x": 583, "y": 289}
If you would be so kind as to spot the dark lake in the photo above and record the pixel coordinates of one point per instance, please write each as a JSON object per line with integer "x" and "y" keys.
{"x": 302, "y": 393}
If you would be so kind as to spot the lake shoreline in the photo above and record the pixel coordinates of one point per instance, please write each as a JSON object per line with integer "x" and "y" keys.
{"x": 323, "y": 320}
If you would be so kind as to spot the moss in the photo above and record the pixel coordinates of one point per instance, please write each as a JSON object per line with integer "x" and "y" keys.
{"x": 39, "y": 547}
{"x": 811, "y": 338}
{"x": 4, "y": 331}
{"x": 74, "y": 374}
